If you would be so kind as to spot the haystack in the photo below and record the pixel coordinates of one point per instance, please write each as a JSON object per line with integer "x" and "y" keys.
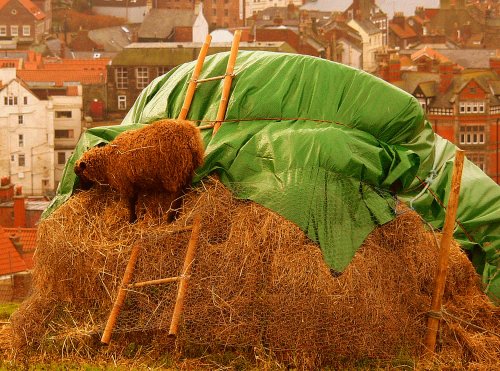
{"x": 258, "y": 286}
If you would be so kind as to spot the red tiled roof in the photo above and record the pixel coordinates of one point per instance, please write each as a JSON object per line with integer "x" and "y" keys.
{"x": 10, "y": 259}
{"x": 60, "y": 76}
{"x": 75, "y": 64}
{"x": 405, "y": 32}
{"x": 28, "y": 236}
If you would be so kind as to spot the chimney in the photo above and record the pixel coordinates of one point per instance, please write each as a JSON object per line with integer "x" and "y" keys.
{"x": 399, "y": 19}
{"x": 394, "y": 68}
{"x": 16, "y": 241}
{"x": 19, "y": 208}
{"x": 384, "y": 71}
{"x": 6, "y": 189}
{"x": 445, "y": 76}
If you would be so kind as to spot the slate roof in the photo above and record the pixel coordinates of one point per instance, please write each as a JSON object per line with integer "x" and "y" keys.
{"x": 112, "y": 39}
{"x": 469, "y": 58}
{"x": 160, "y": 23}
{"x": 368, "y": 27}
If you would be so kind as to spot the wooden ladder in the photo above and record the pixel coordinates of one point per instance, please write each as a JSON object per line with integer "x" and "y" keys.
{"x": 126, "y": 284}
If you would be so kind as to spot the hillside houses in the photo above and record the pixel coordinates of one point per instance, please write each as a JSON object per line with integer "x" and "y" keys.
{"x": 462, "y": 104}
{"x": 140, "y": 63}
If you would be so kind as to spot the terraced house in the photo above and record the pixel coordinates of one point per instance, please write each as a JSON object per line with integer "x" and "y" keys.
{"x": 23, "y": 21}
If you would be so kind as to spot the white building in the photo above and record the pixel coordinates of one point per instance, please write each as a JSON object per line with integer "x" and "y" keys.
{"x": 29, "y": 126}
{"x": 373, "y": 42}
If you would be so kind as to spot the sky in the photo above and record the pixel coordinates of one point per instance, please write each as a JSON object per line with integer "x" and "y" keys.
{"x": 406, "y": 6}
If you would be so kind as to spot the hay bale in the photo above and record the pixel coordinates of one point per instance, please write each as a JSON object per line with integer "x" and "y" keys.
{"x": 258, "y": 284}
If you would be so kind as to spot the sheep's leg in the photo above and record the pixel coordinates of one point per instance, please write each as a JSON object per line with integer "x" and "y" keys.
{"x": 132, "y": 203}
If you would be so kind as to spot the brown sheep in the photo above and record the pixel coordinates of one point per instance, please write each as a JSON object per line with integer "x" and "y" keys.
{"x": 161, "y": 156}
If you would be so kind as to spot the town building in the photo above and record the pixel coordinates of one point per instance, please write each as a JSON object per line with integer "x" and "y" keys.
{"x": 223, "y": 13}
{"x": 55, "y": 73}
{"x": 463, "y": 105}
{"x": 39, "y": 128}
{"x": 372, "y": 42}
{"x": 140, "y": 63}
{"x": 345, "y": 42}
{"x": 23, "y": 21}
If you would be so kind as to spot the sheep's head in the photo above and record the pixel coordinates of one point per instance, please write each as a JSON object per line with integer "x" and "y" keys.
{"x": 91, "y": 167}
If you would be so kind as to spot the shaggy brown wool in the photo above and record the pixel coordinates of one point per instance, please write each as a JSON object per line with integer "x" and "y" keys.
{"x": 162, "y": 156}
{"x": 259, "y": 287}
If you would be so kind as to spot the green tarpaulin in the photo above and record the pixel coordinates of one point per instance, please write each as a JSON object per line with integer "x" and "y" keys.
{"x": 324, "y": 145}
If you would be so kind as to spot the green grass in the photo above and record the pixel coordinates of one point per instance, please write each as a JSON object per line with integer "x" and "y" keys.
{"x": 6, "y": 309}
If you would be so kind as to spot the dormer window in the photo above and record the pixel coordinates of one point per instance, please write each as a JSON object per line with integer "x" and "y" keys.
{"x": 471, "y": 108}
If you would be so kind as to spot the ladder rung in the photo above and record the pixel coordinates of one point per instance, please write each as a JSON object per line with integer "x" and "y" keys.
{"x": 156, "y": 282}
{"x": 211, "y": 79}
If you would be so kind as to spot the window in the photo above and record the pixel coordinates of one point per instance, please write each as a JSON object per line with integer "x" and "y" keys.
{"x": 471, "y": 107}
{"x": 162, "y": 70}
{"x": 477, "y": 159}
{"x": 64, "y": 134}
{"x": 21, "y": 161}
{"x": 122, "y": 102}
{"x": 25, "y": 100}
{"x": 26, "y": 30}
{"x": 10, "y": 101}
{"x": 472, "y": 134}
{"x": 20, "y": 119}
{"x": 14, "y": 30}
{"x": 12, "y": 158}
{"x": 21, "y": 140}
{"x": 3, "y": 30}
{"x": 13, "y": 11}
{"x": 121, "y": 76}
{"x": 63, "y": 114}
{"x": 226, "y": 12}
{"x": 214, "y": 11}
{"x": 61, "y": 158}
{"x": 142, "y": 77}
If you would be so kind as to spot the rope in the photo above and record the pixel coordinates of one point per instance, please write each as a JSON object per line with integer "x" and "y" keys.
{"x": 211, "y": 123}
{"x": 438, "y": 200}
{"x": 428, "y": 182}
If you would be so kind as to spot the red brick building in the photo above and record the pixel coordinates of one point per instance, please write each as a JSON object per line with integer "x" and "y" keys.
{"x": 462, "y": 105}
{"x": 22, "y": 20}
{"x": 222, "y": 13}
